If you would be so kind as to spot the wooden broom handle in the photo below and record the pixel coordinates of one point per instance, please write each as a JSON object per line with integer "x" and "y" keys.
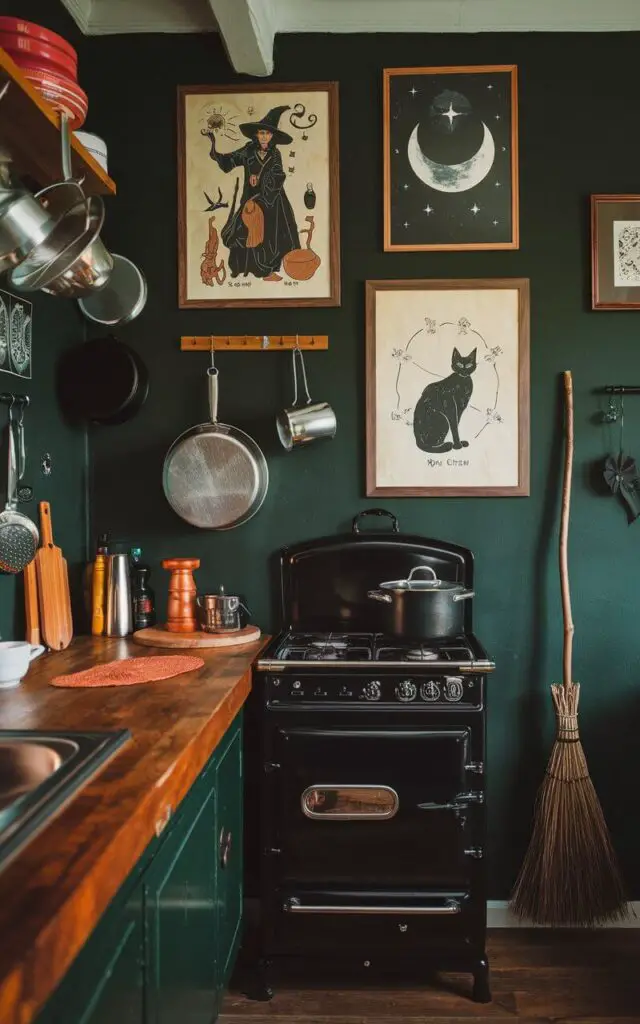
{"x": 564, "y": 533}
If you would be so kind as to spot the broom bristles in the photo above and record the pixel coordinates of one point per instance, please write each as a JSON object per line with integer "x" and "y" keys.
{"x": 570, "y": 875}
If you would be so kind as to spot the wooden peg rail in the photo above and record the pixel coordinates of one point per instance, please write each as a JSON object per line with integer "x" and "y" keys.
{"x": 253, "y": 342}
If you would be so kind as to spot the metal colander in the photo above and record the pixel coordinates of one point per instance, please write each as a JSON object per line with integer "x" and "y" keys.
{"x": 18, "y": 534}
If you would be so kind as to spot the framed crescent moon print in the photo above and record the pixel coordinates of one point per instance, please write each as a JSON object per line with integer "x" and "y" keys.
{"x": 258, "y": 195}
{"x": 451, "y": 158}
{"x": 448, "y": 388}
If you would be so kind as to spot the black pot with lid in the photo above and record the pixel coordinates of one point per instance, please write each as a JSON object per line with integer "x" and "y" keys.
{"x": 427, "y": 609}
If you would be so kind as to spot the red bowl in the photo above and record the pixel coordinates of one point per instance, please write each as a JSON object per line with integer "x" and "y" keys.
{"x": 45, "y": 35}
{"x": 76, "y": 115}
{"x": 63, "y": 94}
{"x": 23, "y": 49}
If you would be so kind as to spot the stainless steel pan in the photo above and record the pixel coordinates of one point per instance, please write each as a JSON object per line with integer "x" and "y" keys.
{"x": 215, "y": 476}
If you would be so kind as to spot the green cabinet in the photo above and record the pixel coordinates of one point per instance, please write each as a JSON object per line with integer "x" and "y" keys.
{"x": 165, "y": 948}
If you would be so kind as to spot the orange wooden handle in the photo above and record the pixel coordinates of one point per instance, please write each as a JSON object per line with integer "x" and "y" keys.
{"x": 46, "y": 530}
{"x": 32, "y": 615}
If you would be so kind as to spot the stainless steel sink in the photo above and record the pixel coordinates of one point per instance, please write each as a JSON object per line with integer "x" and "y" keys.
{"x": 40, "y": 772}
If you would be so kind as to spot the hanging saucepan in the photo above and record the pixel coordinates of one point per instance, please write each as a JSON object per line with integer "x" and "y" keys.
{"x": 423, "y": 609}
{"x": 102, "y": 381}
{"x": 215, "y": 476}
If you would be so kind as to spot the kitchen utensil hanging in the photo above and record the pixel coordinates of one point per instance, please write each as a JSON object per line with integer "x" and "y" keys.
{"x": 18, "y": 534}
{"x": 299, "y": 425}
{"x": 72, "y": 260}
{"x": 620, "y": 471}
{"x": 215, "y": 476}
{"x": 122, "y": 300}
{"x": 102, "y": 381}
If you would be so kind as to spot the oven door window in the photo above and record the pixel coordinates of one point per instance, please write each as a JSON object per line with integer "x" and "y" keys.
{"x": 378, "y": 807}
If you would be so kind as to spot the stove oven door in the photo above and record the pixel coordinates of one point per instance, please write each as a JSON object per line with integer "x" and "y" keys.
{"x": 375, "y": 808}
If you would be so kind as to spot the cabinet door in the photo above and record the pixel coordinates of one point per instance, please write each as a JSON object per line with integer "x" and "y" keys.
{"x": 180, "y": 914}
{"x": 229, "y": 835}
{"x": 105, "y": 984}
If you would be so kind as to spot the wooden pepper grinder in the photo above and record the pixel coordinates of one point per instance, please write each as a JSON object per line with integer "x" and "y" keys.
{"x": 181, "y": 607}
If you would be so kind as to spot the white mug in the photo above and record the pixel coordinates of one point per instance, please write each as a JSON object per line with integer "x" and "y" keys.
{"x": 15, "y": 656}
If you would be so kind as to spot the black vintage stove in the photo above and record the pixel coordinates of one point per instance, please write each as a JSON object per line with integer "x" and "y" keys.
{"x": 372, "y": 803}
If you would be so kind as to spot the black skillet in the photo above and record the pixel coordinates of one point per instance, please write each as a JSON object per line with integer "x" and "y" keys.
{"x": 103, "y": 381}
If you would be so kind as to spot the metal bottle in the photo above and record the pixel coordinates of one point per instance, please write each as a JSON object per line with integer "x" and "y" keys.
{"x": 119, "y": 619}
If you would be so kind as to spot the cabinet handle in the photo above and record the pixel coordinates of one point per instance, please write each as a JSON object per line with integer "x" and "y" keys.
{"x": 225, "y": 847}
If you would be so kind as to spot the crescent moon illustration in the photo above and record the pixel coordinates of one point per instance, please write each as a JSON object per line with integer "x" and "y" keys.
{"x": 452, "y": 177}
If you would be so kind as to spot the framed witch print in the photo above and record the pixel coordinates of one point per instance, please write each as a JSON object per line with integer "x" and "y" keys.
{"x": 451, "y": 158}
{"x": 615, "y": 252}
{"x": 448, "y": 388}
{"x": 258, "y": 214}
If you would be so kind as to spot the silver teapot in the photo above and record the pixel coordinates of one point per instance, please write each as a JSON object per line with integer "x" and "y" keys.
{"x": 219, "y": 613}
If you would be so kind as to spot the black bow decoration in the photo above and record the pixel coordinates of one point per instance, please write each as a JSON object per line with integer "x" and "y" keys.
{"x": 621, "y": 475}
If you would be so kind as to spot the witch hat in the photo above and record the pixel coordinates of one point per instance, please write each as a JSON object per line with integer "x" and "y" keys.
{"x": 269, "y": 123}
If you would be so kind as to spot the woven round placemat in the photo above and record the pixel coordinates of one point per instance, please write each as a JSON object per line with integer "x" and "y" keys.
{"x": 131, "y": 671}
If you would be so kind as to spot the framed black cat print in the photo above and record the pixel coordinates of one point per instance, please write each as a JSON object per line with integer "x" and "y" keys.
{"x": 448, "y": 388}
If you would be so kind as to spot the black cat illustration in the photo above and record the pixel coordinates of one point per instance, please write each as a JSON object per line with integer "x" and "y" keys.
{"x": 440, "y": 407}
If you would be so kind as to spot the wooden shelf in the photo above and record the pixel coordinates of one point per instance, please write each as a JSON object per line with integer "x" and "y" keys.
{"x": 253, "y": 342}
{"x": 30, "y": 132}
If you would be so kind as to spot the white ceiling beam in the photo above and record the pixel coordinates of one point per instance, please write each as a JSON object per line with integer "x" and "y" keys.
{"x": 80, "y": 11}
{"x": 248, "y": 29}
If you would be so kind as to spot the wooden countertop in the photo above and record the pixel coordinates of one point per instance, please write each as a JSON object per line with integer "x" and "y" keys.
{"x": 55, "y": 890}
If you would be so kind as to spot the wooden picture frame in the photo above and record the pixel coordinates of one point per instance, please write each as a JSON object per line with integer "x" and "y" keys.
{"x": 464, "y": 194}
{"x": 423, "y": 332}
{"x": 615, "y": 251}
{"x": 272, "y": 182}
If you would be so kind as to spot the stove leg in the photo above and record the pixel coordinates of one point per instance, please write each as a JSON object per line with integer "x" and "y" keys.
{"x": 481, "y": 990}
{"x": 259, "y": 987}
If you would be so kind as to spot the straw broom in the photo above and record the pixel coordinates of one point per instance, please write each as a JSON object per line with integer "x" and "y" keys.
{"x": 570, "y": 875}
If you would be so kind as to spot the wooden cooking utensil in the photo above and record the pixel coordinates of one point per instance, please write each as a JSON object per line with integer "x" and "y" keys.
{"x": 181, "y": 607}
{"x": 56, "y": 624}
{"x": 31, "y": 613}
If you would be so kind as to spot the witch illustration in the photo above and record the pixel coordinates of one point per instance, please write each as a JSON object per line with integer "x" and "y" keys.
{"x": 262, "y": 229}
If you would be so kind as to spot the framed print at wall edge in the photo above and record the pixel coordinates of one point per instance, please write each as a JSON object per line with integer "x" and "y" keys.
{"x": 258, "y": 195}
{"x": 615, "y": 252}
{"x": 447, "y": 380}
{"x": 450, "y": 158}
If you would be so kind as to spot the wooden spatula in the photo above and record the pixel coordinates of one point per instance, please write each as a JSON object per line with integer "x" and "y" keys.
{"x": 32, "y": 617}
{"x": 56, "y": 625}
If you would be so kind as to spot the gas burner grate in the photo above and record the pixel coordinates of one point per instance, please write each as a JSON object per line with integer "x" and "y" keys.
{"x": 421, "y": 654}
{"x": 326, "y": 647}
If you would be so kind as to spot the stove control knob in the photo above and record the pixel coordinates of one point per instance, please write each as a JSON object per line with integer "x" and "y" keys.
{"x": 430, "y": 691}
{"x": 372, "y": 690}
{"x": 406, "y": 691}
{"x": 453, "y": 689}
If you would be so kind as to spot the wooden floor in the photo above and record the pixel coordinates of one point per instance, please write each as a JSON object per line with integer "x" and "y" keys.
{"x": 537, "y": 976}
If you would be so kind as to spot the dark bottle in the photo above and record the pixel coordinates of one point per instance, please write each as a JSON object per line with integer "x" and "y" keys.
{"x": 142, "y": 597}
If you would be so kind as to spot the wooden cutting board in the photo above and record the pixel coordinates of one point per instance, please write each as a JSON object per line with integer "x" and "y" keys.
{"x": 56, "y": 625}
{"x": 155, "y": 636}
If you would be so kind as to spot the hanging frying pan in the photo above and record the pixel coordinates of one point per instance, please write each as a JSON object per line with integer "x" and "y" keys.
{"x": 102, "y": 381}
{"x": 215, "y": 476}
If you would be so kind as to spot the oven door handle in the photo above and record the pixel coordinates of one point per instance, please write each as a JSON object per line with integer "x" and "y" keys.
{"x": 294, "y": 906}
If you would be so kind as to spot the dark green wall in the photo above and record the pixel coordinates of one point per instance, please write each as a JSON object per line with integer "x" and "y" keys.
{"x": 577, "y": 137}
{"x": 56, "y": 325}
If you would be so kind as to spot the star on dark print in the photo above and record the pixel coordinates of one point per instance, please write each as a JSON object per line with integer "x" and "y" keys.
{"x": 450, "y": 159}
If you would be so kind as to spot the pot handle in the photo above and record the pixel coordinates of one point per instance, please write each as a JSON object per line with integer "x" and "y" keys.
{"x": 423, "y": 568}
{"x": 355, "y": 526}
{"x": 464, "y": 595}
{"x": 212, "y": 376}
{"x": 377, "y": 595}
